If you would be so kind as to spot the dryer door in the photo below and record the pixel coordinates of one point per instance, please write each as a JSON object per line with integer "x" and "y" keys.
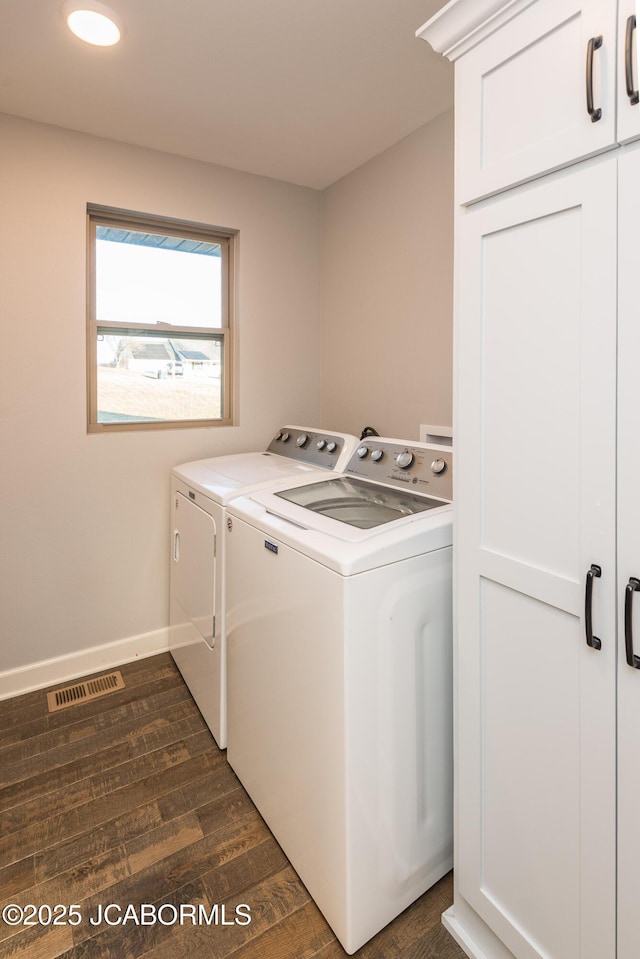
{"x": 194, "y": 565}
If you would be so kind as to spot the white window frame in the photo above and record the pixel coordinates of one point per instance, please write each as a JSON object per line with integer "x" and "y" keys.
{"x": 227, "y": 239}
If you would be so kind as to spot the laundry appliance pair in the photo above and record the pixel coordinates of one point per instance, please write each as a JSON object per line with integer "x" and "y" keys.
{"x": 329, "y": 626}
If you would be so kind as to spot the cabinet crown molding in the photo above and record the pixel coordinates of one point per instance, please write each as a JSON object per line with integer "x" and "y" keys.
{"x": 461, "y": 24}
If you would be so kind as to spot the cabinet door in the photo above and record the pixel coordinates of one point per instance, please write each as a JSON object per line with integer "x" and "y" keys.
{"x": 535, "y": 508}
{"x": 628, "y": 80}
{"x": 521, "y": 95}
{"x": 629, "y": 558}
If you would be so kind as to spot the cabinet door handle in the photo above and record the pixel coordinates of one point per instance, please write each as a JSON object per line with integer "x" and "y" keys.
{"x": 594, "y": 44}
{"x": 633, "y": 95}
{"x": 594, "y": 573}
{"x": 632, "y": 587}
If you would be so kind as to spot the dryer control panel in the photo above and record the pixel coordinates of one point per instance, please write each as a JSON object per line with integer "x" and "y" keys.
{"x": 315, "y": 447}
{"x": 420, "y": 467}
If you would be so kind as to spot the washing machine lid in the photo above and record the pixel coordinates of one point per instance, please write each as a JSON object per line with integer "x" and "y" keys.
{"x": 357, "y": 502}
{"x": 387, "y": 485}
{"x": 344, "y": 548}
{"x": 392, "y": 502}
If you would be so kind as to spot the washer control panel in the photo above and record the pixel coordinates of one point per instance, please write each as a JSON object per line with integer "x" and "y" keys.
{"x": 304, "y": 445}
{"x": 420, "y": 467}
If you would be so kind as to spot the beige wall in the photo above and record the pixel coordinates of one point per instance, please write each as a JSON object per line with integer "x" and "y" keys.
{"x": 387, "y": 288}
{"x": 84, "y": 525}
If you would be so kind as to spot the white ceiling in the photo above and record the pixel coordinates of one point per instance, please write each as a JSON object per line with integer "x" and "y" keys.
{"x": 301, "y": 90}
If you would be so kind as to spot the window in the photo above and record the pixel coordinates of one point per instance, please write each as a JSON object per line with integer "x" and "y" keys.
{"x": 159, "y": 323}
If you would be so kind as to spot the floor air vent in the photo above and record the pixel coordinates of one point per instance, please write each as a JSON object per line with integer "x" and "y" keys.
{"x": 83, "y": 692}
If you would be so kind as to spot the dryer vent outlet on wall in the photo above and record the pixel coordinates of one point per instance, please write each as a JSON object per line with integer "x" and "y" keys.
{"x": 83, "y": 692}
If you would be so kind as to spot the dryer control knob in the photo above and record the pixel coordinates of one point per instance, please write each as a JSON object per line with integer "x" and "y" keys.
{"x": 439, "y": 466}
{"x": 320, "y": 445}
{"x": 377, "y": 455}
{"x": 284, "y": 437}
{"x": 331, "y": 447}
{"x": 302, "y": 440}
{"x": 405, "y": 460}
{"x": 278, "y": 435}
{"x": 363, "y": 451}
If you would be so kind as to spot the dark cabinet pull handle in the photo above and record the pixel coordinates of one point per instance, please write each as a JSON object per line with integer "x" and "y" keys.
{"x": 632, "y": 587}
{"x": 594, "y": 573}
{"x": 633, "y": 95}
{"x": 594, "y": 44}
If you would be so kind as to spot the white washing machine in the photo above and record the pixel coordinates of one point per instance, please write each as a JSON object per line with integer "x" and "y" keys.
{"x": 340, "y": 677}
{"x": 200, "y": 492}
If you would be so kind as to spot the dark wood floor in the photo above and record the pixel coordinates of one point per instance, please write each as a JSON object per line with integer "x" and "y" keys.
{"x": 127, "y": 799}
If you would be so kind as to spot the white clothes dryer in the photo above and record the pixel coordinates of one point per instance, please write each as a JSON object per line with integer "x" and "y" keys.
{"x": 200, "y": 492}
{"x": 339, "y": 631}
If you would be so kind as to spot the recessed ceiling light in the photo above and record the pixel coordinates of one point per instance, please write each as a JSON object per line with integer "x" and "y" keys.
{"x": 92, "y": 22}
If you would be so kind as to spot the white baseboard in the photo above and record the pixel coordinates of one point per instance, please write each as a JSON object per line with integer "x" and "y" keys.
{"x": 453, "y": 927}
{"x": 62, "y": 669}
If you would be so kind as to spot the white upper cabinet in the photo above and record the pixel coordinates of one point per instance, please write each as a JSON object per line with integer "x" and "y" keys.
{"x": 539, "y": 85}
{"x": 524, "y": 102}
{"x": 627, "y": 81}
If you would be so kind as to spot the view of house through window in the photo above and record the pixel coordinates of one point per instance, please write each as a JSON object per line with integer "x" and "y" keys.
{"x": 159, "y": 324}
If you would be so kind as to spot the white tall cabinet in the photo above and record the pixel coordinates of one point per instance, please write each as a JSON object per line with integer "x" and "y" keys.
{"x": 629, "y": 558}
{"x": 547, "y": 409}
{"x": 535, "y": 508}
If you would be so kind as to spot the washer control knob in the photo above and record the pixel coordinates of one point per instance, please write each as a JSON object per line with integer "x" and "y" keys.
{"x": 439, "y": 466}
{"x": 320, "y": 445}
{"x": 278, "y": 435}
{"x": 302, "y": 440}
{"x": 405, "y": 460}
{"x": 332, "y": 447}
{"x": 285, "y": 437}
{"x": 363, "y": 451}
{"x": 377, "y": 455}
